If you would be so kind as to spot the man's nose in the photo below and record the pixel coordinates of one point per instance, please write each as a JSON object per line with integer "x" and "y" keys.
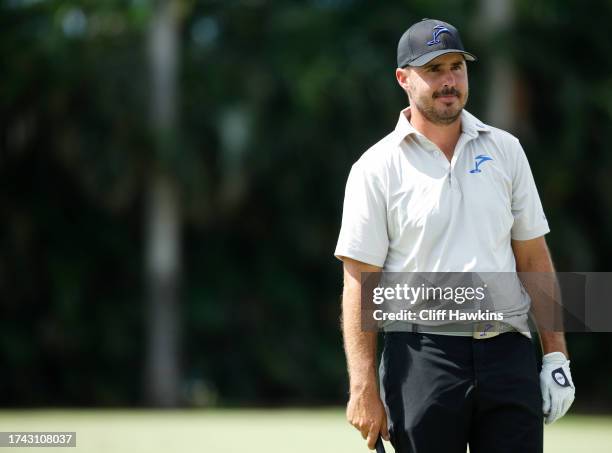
{"x": 448, "y": 79}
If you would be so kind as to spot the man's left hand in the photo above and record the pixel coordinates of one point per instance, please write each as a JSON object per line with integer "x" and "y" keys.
{"x": 557, "y": 386}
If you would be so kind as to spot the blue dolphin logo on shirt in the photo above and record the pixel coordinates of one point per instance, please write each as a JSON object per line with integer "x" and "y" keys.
{"x": 480, "y": 159}
{"x": 437, "y": 31}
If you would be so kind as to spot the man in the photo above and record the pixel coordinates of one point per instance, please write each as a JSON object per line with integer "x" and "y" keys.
{"x": 444, "y": 192}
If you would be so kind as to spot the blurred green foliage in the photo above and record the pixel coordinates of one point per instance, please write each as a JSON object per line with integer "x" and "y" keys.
{"x": 277, "y": 100}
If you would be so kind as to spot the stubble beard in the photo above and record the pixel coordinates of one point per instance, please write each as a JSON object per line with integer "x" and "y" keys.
{"x": 443, "y": 116}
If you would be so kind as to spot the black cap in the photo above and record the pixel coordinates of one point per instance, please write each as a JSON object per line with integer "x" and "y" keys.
{"x": 427, "y": 40}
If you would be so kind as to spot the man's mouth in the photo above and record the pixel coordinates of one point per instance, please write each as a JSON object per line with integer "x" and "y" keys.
{"x": 446, "y": 96}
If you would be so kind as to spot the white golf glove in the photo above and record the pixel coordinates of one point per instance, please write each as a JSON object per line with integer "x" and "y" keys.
{"x": 557, "y": 386}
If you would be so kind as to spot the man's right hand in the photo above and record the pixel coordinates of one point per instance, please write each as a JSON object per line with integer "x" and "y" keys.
{"x": 365, "y": 411}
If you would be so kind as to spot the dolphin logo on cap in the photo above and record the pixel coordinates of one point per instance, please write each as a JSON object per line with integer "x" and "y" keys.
{"x": 437, "y": 31}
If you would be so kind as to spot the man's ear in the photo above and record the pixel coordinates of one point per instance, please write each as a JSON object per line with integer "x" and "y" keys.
{"x": 402, "y": 78}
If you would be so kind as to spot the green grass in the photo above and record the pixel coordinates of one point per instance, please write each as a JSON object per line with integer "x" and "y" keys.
{"x": 253, "y": 431}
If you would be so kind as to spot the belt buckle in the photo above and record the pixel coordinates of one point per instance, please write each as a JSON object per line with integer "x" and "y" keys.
{"x": 485, "y": 330}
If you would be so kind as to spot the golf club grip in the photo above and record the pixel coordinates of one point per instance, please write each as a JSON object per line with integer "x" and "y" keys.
{"x": 380, "y": 448}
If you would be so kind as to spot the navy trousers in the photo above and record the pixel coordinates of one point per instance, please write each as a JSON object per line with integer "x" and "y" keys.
{"x": 444, "y": 392}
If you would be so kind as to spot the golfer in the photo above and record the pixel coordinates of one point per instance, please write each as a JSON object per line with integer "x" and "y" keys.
{"x": 444, "y": 192}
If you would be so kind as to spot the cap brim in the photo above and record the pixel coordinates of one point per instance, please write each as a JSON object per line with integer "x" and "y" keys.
{"x": 424, "y": 59}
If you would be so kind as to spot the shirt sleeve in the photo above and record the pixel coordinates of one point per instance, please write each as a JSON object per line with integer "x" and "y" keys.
{"x": 363, "y": 234}
{"x": 529, "y": 219}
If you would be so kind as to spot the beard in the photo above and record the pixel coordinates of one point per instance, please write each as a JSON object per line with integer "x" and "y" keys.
{"x": 441, "y": 115}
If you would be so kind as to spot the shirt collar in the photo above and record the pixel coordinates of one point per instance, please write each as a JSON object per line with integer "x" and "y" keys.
{"x": 470, "y": 125}
{"x": 403, "y": 128}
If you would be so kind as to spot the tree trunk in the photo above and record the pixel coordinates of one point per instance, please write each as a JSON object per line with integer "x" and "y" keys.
{"x": 496, "y": 17}
{"x": 162, "y": 217}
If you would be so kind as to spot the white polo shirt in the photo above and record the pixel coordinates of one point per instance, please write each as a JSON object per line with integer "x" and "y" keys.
{"x": 408, "y": 209}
